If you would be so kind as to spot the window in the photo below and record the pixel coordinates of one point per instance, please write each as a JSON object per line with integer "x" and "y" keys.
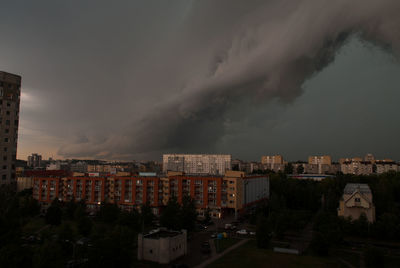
{"x": 4, "y": 167}
{"x": 5, "y": 139}
{"x": 7, "y": 130}
{"x": 357, "y": 199}
{"x": 8, "y": 112}
{"x": 4, "y": 177}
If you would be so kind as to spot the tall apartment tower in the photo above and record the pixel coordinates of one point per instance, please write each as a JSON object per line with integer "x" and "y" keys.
{"x": 34, "y": 161}
{"x": 274, "y": 159}
{"x": 10, "y": 91}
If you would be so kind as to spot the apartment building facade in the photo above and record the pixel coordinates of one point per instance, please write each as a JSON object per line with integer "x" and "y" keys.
{"x": 322, "y": 164}
{"x": 217, "y": 194}
{"x": 386, "y": 165}
{"x": 274, "y": 162}
{"x": 356, "y": 167}
{"x": 206, "y": 164}
{"x": 10, "y": 91}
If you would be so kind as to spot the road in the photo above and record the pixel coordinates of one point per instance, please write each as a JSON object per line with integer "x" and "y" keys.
{"x": 216, "y": 257}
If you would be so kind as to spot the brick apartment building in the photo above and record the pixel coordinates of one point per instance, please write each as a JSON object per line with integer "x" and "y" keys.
{"x": 222, "y": 195}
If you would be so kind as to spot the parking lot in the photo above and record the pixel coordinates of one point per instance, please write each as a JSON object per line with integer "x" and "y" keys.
{"x": 196, "y": 253}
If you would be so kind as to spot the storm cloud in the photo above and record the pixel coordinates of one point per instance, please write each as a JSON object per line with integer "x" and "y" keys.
{"x": 270, "y": 52}
{"x": 178, "y": 77}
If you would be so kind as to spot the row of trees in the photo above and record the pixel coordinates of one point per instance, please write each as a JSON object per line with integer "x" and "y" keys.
{"x": 176, "y": 216}
{"x": 293, "y": 203}
{"x": 106, "y": 239}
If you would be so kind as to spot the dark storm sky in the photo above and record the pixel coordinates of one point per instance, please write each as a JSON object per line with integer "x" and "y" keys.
{"x": 134, "y": 79}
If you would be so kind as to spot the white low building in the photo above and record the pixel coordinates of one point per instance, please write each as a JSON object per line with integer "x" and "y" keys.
{"x": 162, "y": 246}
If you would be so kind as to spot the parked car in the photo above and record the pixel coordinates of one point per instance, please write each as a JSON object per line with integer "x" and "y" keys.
{"x": 214, "y": 235}
{"x": 252, "y": 233}
{"x": 154, "y": 231}
{"x": 242, "y": 232}
{"x": 228, "y": 226}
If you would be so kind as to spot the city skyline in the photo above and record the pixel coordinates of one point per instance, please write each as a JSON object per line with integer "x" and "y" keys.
{"x": 281, "y": 158}
{"x": 199, "y": 133}
{"x": 104, "y": 86}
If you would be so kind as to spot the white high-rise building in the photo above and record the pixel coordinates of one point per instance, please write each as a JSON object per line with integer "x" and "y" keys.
{"x": 213, "y": 164}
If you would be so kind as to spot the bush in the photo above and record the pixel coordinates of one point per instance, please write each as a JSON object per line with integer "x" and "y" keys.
{"x": 53, "y": 214}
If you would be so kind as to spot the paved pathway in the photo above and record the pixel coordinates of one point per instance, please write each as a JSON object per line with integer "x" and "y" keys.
{"x": 212, "y": 247}
{"x": 216, "y": 257}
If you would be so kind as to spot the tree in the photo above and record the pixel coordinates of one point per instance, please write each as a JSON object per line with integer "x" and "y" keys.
{"x": 319, "y": 244}
{"x": 300, "y": 169}
{"x": 14, "y": 255}
{"x": 65, "y": 232}
{"x": 146, "y": 214}
{"x": 29, "y": 206}
{"x": 188, "y": 213}
{"x": 54, "y": 213}
{"x": 207, "y": 217}
{"x": 49, "y": 255}
{"x": 84, "y": 225}
{"x": 170, "y": 216}
{"x": 388, "y": 226}
{"x": 113, "y": 249}
{"x": 65, "y": 238}
{"x": 289, "y": 168}
{"x": 69, "y": 209}
{"x": 262, "y": 232}
{"x": 108, "y": 213}
{"x": 130, "y": 219}
{"x": 361, "y": 225}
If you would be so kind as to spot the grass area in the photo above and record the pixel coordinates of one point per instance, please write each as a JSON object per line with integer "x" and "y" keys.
{"x": 222, "y": 244}
{"x": 34, "y": 225}
{"x": 352, "y": 258}
{"x": 249, "y": 254}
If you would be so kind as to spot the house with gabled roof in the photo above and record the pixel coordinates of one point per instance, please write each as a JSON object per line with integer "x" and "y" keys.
{"x": 357, "y": 199}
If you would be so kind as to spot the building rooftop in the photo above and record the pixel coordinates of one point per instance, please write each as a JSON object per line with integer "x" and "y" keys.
{"x": 361, "y": 187}
{"x": 159, "y": 233}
